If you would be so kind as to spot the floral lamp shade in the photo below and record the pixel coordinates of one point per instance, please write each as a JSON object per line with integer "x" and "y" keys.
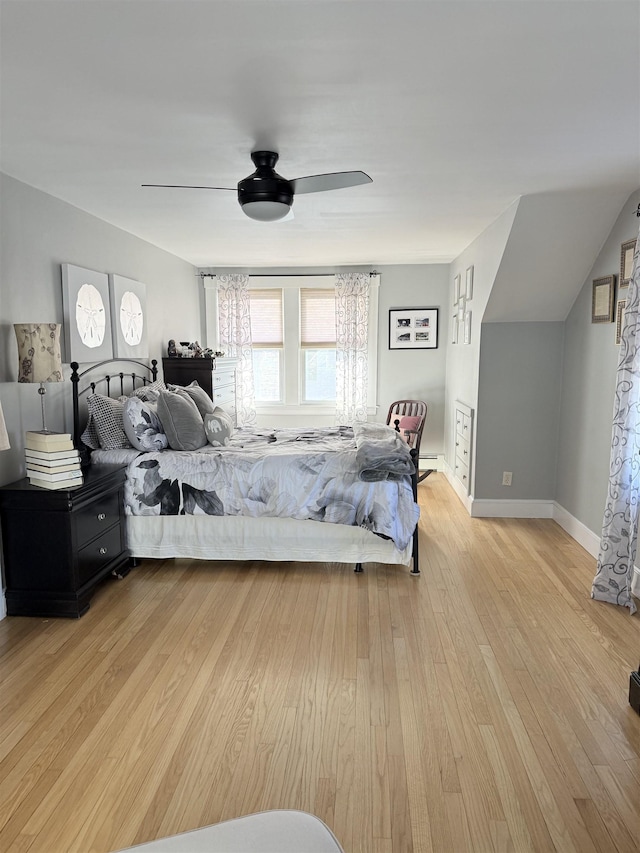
{"x": 4, "y": 436}
{"x": 39, "y": 356}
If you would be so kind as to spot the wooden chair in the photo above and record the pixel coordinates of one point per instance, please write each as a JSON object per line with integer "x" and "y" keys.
{"x": 410, "y": 409}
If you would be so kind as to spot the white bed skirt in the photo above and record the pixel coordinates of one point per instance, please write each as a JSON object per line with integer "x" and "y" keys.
{"x": 206, "y": 537}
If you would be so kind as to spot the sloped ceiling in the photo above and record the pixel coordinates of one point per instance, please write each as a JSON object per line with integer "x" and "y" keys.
{"x": 455, "y": 109}
{"x": 553, "y": 243}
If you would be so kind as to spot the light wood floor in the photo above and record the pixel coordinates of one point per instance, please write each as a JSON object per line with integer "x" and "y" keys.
{"x": 480, "y": 707}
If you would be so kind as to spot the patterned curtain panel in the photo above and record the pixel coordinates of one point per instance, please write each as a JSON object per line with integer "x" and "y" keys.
{"x": 617, "y": 556}
{"x": 235, "y": 340}
{"x": 352, "y": 347}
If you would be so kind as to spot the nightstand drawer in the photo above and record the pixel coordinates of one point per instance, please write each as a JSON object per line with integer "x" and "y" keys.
{"x": 95, "y": 556}
{"x": 92, "y": 520}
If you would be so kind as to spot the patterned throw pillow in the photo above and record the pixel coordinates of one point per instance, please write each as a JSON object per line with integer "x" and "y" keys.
{"x": 150, "y": 392}
{"x": 106, "y": 415}
{"x": 142, "y": 425}
{"x": 218, "y": 427}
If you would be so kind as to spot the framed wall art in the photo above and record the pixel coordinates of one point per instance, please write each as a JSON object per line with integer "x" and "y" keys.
{"x": 87, "y": 316}
{"x": 626, "y": 262}
{"x": 602, "y": 308}
{"x": 413, "y": 328}
{"x": 466, "y": 336}
{"x": 468, "y": 287}
{"x": 457, "y": 287}
{"x": 620, "y": 319}
{"x": 128, "y": 317}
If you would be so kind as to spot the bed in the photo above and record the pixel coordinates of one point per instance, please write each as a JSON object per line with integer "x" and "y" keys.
{"x": 325, "y": 495}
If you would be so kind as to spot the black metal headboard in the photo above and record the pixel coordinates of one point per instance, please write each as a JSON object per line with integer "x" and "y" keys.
{"x": 119, "y": 379}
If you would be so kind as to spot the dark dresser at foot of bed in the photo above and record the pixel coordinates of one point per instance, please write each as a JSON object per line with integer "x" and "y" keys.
{"x": 216, "y": 375}
{"x": 57, "y": 545}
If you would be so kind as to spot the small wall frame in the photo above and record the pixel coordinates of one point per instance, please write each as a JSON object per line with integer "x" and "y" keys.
{"x": 602, "y": 299}
{"x": 128, "y": 317}
{"x": 413, "y": 328}
{"x": 627, "y": 251}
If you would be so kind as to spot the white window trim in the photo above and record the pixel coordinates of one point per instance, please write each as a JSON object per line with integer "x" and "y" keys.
{"x": 297, "y": 282}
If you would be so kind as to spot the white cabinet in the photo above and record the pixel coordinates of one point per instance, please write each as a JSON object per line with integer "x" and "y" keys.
{"x": 463, "y": 440}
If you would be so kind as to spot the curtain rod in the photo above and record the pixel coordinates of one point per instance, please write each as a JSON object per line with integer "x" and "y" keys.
{"x": 284, "y": 274}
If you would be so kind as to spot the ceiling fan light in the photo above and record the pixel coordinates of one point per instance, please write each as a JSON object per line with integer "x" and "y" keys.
{"x": 266, "y": 211}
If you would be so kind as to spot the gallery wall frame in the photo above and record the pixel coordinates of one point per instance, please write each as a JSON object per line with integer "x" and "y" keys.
{"x": 87, "y": 314}
{"x": 468, "y": 287}
{"x": 128, "y": 317}
{"x": 457, "y": 288}
{"x": 413, "y": 328}
{"x": 602, "y": 299}
{"x": 620, "y": 319}
{"x": 626, "y": 262}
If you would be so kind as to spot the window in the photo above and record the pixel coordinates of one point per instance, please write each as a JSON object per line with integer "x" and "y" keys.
{"x": 318, "y": 344}
{"x": 267, "y": 338}
{"x": 294, "y": 345}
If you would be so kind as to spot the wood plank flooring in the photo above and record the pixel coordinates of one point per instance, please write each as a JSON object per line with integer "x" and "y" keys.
{"x": 480, "y": 707}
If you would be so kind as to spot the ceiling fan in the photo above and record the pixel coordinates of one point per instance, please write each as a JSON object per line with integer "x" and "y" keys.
{"x": 265, "y": 195}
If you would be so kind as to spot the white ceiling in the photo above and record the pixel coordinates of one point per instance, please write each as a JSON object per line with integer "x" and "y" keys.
{"x": 454, "y": 108}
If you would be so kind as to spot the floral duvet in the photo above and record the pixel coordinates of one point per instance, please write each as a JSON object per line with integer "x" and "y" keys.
{"x": 285, "y": 473}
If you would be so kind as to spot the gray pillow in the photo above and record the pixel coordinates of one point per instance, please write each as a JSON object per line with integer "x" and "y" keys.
{"x": 218, "y": 428}
{"x": 181, "y": 420}
{"x": 200, "y": 397}
{"x": 142, "y": 425}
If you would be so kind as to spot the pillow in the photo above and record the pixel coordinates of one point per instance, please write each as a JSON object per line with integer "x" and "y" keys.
{"x": 90, "y": 435}
{"x": 218, "y": 428}
{"x": 409, "y": 422}
{"x": 142, "y": 425}
{"x": 181, "y": 420}
{"x": 150, "y": 392}
{"x": 106, "y": 415}
{"x": 200, "y": 397}
{"x": 222, "y": 413}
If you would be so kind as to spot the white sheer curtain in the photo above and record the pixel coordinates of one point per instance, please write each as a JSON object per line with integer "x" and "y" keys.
{"x": 617, "y": 555}
{"x": 352, "y": 347}
{"x": 234, "y": 322}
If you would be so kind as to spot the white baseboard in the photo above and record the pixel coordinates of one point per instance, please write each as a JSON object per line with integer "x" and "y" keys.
{"x": 457, "y": 486}
{"x": 511, "y": 509}
{"x": 589, "y": 540}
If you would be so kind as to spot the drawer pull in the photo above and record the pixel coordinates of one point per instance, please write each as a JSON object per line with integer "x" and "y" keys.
{"x": 465, "y": 452}
{"x": 102, "y": 551}
{"x": 101, "y": 516}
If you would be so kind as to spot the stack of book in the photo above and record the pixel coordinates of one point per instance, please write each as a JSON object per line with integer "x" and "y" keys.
{"x": 52, "y": 460}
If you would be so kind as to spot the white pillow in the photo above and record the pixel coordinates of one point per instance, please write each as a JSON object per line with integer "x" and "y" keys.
{"x": 142, "y": 425}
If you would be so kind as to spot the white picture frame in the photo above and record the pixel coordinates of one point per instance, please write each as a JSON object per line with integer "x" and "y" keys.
{"x": 457, "y": 286}
{"x": 454, "y": 328}
{"x": 467, "y": 328}
{"x": 468, "y": 288}
{"x": 128, "y": 317}
{"x": 87, "y": 315}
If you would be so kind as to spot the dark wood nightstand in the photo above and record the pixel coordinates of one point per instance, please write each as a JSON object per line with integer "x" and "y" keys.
{"x": 59, "y": 544}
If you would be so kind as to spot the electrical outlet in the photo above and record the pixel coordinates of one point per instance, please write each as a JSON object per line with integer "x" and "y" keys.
{"x": 506, "y": 478}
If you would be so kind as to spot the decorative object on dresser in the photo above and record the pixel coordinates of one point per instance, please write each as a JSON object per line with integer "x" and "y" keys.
{"x": 39, "y": 357}
{"x": 128, "y": 321}
{"x": 463, "y": 438}
{"x": 80, "y": 541}
{"x": 87, "y": 315}
{"x": 215, "y": 375}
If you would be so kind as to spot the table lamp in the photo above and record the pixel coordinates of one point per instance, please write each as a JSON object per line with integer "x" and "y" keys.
{"x": 4, "y": 436}
{"x": 39, "y": 358}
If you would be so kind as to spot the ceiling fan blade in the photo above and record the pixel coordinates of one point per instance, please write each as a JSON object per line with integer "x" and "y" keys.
{"x": 188, "y": 187}
{"x": 330, "y": 181}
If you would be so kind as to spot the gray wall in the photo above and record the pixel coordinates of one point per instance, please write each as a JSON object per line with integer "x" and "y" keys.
{"x": 588, "y": 383}
{"x": 38, "y": 233}
{"x": 518, "y": 410}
